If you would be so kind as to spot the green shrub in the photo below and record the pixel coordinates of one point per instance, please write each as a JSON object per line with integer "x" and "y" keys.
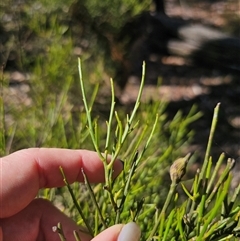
{"x": 208, "y": 211}
{"x": 143, "y": 138}
{"x": 148, "y": 144}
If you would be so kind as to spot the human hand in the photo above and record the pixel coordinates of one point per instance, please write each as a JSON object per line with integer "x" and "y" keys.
{"x": 23, "y": 173}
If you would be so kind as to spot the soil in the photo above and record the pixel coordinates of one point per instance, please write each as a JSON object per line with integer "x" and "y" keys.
{"x": 184, "y": 84}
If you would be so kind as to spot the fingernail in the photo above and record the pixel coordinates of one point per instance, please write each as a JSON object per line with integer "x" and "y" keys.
{"x": 130, "y": 232}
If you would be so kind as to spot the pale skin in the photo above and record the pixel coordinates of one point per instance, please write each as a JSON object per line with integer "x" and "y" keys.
{"x": 26, "y": 218}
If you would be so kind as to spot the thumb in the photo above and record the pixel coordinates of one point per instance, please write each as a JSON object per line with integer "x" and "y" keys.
{"x": 120, "y": 232}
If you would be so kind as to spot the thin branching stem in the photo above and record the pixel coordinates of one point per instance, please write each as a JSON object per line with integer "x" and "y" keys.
{"x": 109, "y": 123}
{"x": 215, "y": 172}
{"x": 209, "y": 145}
{"x": 88, "y": 110}
{"x": 76, "y": 202}
{"x": 164, "y": 209}
{"x": 93, "y": 198}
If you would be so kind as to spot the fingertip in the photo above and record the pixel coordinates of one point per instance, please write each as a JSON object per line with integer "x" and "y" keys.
{"x": 120, "y": 232}
{"x": 110, "y": 234}
{"x": 130, "y": 232}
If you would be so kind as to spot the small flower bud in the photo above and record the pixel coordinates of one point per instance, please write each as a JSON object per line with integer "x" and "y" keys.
{"x": 178, "y": 168}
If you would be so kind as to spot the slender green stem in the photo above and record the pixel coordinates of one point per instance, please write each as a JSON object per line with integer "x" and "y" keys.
{"x": 180, "y": 214}
{"x": 164, "y": 209}
{"x": 201, "y": 208}
{"x": 130, "y": 120}
{"x": 127, "y": 186}
{"x": 108, "y": 166}
{"x": 234, "y": 196}
{"x": 136, "y": 160}
{"x": 109, "y": 123}
{"x": 93, "y": 198}
{"x": 223, "y": 176}
{"x": 119, "y": 130}
{"x": 88, "y": 110}
{"x": 168, "y": 225}
{"x": 191, "y": 204}
{"x": 215, "y": 172}
{"x": 139, "y": 94}
{"x": 149, "y": 138}
{"x": 209, "y": 145}
{"x": 76, "y": 202}
{"x": 214, "y": 210}
{"x": 177, "y": 171}
{"x": 122, "y": 137}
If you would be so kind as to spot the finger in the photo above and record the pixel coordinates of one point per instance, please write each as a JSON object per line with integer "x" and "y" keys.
{"x": 24, "y": 172}
{"x": 128, "y": 232}
{"x": 110, "y": 234}
{"x": 36, "y": 222}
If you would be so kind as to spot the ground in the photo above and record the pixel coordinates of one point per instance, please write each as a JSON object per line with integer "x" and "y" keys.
{"x": 184, "y": 84}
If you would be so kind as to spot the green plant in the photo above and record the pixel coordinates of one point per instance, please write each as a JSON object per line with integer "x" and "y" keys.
{"x": 144, "y": 139}
{"x": 208, "y": 211}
